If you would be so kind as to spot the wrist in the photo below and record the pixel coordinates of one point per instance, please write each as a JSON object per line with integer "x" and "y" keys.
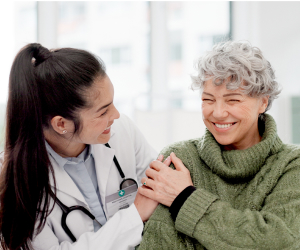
{"x": 180, "y": 200}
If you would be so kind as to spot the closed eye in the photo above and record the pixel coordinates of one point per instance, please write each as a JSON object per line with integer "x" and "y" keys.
{"x": 103, "y": 113}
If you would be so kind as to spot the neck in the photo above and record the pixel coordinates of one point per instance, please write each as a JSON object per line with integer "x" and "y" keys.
{"x": 240, "y": 146}
{"x": 62, "y": 145}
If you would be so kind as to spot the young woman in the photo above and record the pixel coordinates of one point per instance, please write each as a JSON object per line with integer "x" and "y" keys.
{"x": 60, "y": 117}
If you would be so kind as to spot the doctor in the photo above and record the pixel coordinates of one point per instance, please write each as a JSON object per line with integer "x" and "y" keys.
{"x": 67, "y": 145}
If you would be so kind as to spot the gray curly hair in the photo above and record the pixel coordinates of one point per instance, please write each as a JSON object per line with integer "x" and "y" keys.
{"x": 243, "y": 64}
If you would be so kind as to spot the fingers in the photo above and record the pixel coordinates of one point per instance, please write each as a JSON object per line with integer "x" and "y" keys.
{"x": 157, "y": 165}
{"x": 160, "y": 158}
{"x": 144, "y": 181}
{"x": 147, "y": 192}
{"x": 177, "y": 163}
{"x": 145, "y": 187}
{"x": 147, "y": 182}
{"x": 151, "y": 173}
{"x": 168, "y": 161}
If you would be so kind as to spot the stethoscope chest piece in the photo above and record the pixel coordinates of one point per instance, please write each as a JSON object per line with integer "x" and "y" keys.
{"x": 67, "y": 210}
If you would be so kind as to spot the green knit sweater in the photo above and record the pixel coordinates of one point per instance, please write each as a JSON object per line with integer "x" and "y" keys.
{"x": 244, "y": 199}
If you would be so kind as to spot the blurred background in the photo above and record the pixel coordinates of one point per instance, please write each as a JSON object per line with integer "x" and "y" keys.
{"x": 150, "y": 49}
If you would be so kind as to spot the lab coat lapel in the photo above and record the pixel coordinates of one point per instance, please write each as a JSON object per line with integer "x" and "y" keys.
{"x": 103, "y": 157}
{"x": 64, "y": 183}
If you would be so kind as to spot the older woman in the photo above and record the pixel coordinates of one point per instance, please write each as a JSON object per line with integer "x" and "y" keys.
{"x": 244, "y": 189}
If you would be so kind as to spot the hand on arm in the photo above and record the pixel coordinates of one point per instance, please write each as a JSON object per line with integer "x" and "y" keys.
{"x": 164, "y": 183}
{"x": 145, "y": 205}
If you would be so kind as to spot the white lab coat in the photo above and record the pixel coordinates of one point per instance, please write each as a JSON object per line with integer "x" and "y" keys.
{"x": 124, "y": 229}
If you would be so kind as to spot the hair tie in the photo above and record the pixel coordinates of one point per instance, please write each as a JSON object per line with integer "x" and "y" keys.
{"x": 40, "y": 54}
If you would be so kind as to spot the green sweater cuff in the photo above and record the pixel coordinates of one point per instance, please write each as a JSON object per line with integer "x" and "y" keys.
{"x": 193, "y": 210}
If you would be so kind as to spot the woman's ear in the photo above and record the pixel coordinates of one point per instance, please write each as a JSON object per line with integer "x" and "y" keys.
{"x": 61, "y": 125}
{"x": 264, "y": 104}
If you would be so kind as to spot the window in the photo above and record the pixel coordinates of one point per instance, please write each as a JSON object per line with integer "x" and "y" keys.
{"x": 118, "y": 33}
{"x": 116, "y": 55}
{"x": 149, "y": 49}
{"x": 20, "y": 28}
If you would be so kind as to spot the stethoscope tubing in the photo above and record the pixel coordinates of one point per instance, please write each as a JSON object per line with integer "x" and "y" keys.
{"x": 66, "y": 210}
{"x": 116, "y": 163}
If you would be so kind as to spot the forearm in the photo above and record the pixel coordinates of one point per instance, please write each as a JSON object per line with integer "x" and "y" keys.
{"x": 161, "y": 234}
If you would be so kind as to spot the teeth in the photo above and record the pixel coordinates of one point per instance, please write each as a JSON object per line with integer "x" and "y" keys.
{"x": 223, "y": 125}
{"x": 107, "y": 128}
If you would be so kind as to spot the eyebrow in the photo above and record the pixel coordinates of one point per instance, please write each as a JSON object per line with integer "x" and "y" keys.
{"x": 207, "y": 94}
{"x": 230, "y": 94}
{"x": 103, "y": 107}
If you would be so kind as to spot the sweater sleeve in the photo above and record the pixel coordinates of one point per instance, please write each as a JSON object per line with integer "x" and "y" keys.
{"x": 223, "y": 227}
{"x": 160, "y": 233}
{"x": 180, "y": 200}
{"x": 206, "y": 222}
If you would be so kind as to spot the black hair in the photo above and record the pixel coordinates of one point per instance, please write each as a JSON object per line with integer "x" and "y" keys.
{"x": 42, "y": 84}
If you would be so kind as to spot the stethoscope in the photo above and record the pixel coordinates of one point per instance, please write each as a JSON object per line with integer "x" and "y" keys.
{"x": 67, "y": 210}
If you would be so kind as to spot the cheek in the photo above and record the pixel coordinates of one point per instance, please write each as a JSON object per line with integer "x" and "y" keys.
{"x": 101, "y": 126}
{"x": 245, "y": 113}
{"x": 206, "y": 110}
{"x": 97, "y": 126}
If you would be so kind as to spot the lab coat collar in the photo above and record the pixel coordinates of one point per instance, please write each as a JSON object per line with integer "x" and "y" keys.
{"x": 62, "y": 161}
{"x": 63, "y": 182}
{"x": 59, "y": 160}
{"x": 103, "y": 161}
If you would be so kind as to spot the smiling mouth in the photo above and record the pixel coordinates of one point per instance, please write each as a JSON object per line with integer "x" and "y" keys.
{"x": 227, "y": 125}
{"x": 107, "y": 128}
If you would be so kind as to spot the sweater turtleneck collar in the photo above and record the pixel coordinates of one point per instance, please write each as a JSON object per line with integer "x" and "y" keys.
{"x": 240, "y": 164}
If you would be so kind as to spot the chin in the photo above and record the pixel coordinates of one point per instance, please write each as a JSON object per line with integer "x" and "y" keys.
{"x": 103, "y": 139}
{"x": 223, "y": 141}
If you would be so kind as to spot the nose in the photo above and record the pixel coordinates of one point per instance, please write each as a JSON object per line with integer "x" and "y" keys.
{"x": 220, "y": 111}
{"x": 116, "y": 114}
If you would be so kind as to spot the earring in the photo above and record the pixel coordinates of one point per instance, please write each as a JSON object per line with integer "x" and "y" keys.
{"x": 64, "y": 131}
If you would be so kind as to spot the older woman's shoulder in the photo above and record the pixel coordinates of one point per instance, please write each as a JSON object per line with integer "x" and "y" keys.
{"x": 289, "y": 155}
{"x": 290, "y": 149}
{"x": 180, "y": 148}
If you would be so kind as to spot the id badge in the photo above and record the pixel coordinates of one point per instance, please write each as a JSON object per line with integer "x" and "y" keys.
{"x": 120, "y": 200}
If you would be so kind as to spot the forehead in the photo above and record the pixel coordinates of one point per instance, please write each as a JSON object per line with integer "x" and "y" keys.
{"x": 211, "y": 88}
{"x": 100, "y": 93}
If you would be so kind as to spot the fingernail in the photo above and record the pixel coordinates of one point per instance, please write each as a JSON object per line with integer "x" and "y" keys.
{"x": 168, "y": 158}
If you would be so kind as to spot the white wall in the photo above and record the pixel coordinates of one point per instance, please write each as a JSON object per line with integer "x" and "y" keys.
{"x": 274, "y": 28}
{"x": 164, "y": 127}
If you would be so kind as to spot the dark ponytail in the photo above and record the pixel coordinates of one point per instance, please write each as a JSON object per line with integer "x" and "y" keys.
{"x": 42, "y": 84}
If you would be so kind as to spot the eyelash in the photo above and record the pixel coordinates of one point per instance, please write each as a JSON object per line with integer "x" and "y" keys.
{"x": 103, "y": 113}
{"x": 231, "y": 100}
